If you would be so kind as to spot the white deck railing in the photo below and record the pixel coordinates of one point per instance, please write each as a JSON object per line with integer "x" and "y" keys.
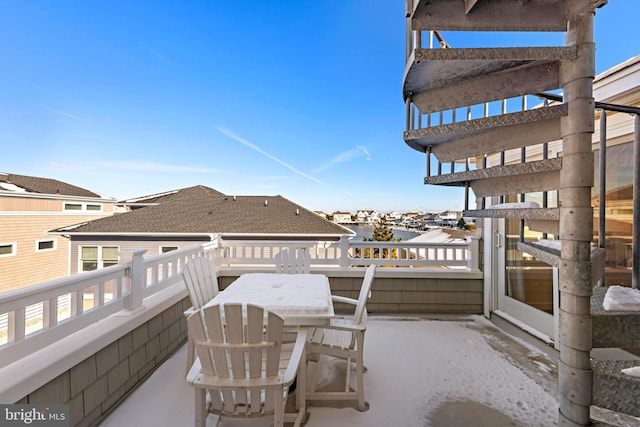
{"x": 36, "y": 316}
{"x": 347, "y": 254}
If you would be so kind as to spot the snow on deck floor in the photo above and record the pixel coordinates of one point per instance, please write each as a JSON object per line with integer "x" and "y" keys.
{"x": 419, "y": 368}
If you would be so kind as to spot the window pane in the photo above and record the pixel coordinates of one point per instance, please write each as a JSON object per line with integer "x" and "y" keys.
{"x": 45, "y": 244}
{"x": 90, "y": 252}
{"x": 94, "y": 207}
{"x": 6, "y": 249}
{"x": 89, "y": 265}
{"x": 164, "y": 249}
{"x": 110, "y": 253}
{"x": 72, "y": 207}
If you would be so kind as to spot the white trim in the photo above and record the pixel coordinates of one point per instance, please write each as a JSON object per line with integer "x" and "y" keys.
{"x": 14, "y": 249}
{"x": 101, "y": 199}
{"x": 55, "y": 245}
{"x": 55, "y": 213}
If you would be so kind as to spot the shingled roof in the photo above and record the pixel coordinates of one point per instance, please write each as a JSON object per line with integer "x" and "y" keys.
{"x": 32, "y": 184}
{"x": 202, "y": 210}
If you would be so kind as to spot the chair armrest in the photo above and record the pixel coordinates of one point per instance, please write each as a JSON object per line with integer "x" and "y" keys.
{"x": 344, "y": 326}
{"x": 296, "y": 356}
{"x": 338, "y": 298}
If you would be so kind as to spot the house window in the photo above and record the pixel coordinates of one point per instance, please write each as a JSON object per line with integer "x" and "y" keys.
{"x": 45, "y": 245}
{"x": 89, "y": 207}
{"x": 8, "y": 249}
{"x": 164, "y": 249}
{"x": 72, "y": 207}
{"x": 95, "y": 257}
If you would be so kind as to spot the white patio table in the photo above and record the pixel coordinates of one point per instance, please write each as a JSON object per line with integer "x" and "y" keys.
{"x": 301, "y": 299}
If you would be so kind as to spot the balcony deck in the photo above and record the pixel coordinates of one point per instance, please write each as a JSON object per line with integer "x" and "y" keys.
{"x": 444, "y": 370}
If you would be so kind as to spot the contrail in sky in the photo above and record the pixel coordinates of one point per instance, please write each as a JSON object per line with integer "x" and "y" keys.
{"x": 254, "y": 147}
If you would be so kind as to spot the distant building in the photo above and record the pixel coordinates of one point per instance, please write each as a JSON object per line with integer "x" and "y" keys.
{"x": 343, "y": 218}
{"x": 181, "y": 218}
{"x": 31, "y": 206}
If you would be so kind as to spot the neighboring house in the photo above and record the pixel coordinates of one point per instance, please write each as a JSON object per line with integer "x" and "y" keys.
{"x": 181, "y": 218}
{"x": 342, "y": 217}
{"x": 29, "y": 208}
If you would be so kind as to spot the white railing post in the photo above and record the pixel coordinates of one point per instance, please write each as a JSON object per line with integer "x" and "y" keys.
{"x": 344, "y": 252}
{"x": 473, "y": 252}
{"x": 134, "y": 280}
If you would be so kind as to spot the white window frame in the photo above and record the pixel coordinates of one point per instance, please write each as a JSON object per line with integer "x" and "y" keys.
{"x": 83, "y": 207}
{"x": 100, "y": 260}
{"x": 14, "y": 249}
{"x": 55, "y": 245}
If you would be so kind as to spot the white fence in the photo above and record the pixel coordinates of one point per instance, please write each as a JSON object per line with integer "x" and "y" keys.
{"x": 34, "y": 317}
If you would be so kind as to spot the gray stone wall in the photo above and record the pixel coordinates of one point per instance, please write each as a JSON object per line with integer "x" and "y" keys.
{"x": 96, "y": 384}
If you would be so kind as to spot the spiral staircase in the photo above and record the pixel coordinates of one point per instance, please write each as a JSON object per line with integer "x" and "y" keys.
{"x": 458, "y": 117}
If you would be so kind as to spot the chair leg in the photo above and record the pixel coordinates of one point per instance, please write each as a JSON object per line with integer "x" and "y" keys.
{"x": 278, "y": 416}
{"x": 190, "y": 353}
{"x": 201, "y": 407}
{"x": 362, "y": 406}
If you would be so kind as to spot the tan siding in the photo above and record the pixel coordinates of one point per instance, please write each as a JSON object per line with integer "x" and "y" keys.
{"x": 29, "y": 267}
{"x": 27, "y": 204}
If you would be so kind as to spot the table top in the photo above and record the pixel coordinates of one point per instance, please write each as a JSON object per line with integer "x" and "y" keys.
{"x": 301, "y": 299}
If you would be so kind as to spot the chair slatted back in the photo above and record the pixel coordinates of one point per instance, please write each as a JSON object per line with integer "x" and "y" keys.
{"x": 293, "y": 261}
{"x": 365, "y": 294}
{"x": 201, "y": 280}
{"x": 238, "y": 346}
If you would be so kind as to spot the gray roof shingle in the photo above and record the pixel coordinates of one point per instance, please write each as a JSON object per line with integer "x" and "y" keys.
{"x": 200, "y": 209}
{"x": 32, "y": 184}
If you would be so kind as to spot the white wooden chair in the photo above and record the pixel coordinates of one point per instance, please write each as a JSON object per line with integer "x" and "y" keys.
{"x": 293, "y": 261}
{"x": 200, "y": 278}
{"x": 243, "y": 369}
{"x": 343, "y": 338}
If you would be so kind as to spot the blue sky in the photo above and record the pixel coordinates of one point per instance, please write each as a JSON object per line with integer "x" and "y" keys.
{"x": 297, "y": 98}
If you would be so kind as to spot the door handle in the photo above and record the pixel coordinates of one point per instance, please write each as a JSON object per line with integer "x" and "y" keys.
{"x": 499, "y": 241}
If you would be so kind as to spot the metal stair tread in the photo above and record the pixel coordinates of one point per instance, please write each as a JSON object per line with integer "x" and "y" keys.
{"x": 614, "y": 390}
{"x": 515, "y": 213}
{"x": 529, "y": 168}
{"x": 432, "y": 68}
{"x": 613, "y": 328}
{"x": 550, "y": 254}
{"x": 456, "y": 15}
{"x": 511, "y": 130}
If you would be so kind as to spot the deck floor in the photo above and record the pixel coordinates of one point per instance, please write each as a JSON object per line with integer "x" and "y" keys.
{"x": 422, "y": 371}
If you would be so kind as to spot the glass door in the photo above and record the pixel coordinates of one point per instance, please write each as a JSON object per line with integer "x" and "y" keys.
{"x": 525, "y": 287}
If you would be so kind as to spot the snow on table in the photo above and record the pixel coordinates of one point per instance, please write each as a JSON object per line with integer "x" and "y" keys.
{"x": 288, "y": 295}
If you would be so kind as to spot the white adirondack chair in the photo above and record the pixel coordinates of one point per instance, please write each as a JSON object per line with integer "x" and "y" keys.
{"x": 343, "y": 338}
{"x": 243, "y": 368}
{"x": 293, "y": 261}
{"x": 200, "y": 278}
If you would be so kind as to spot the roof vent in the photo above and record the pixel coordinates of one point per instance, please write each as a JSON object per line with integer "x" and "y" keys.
{"x": 234, "y": 198}
{"x": 266, "y": 202}
{"x": 297, "y": 211}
